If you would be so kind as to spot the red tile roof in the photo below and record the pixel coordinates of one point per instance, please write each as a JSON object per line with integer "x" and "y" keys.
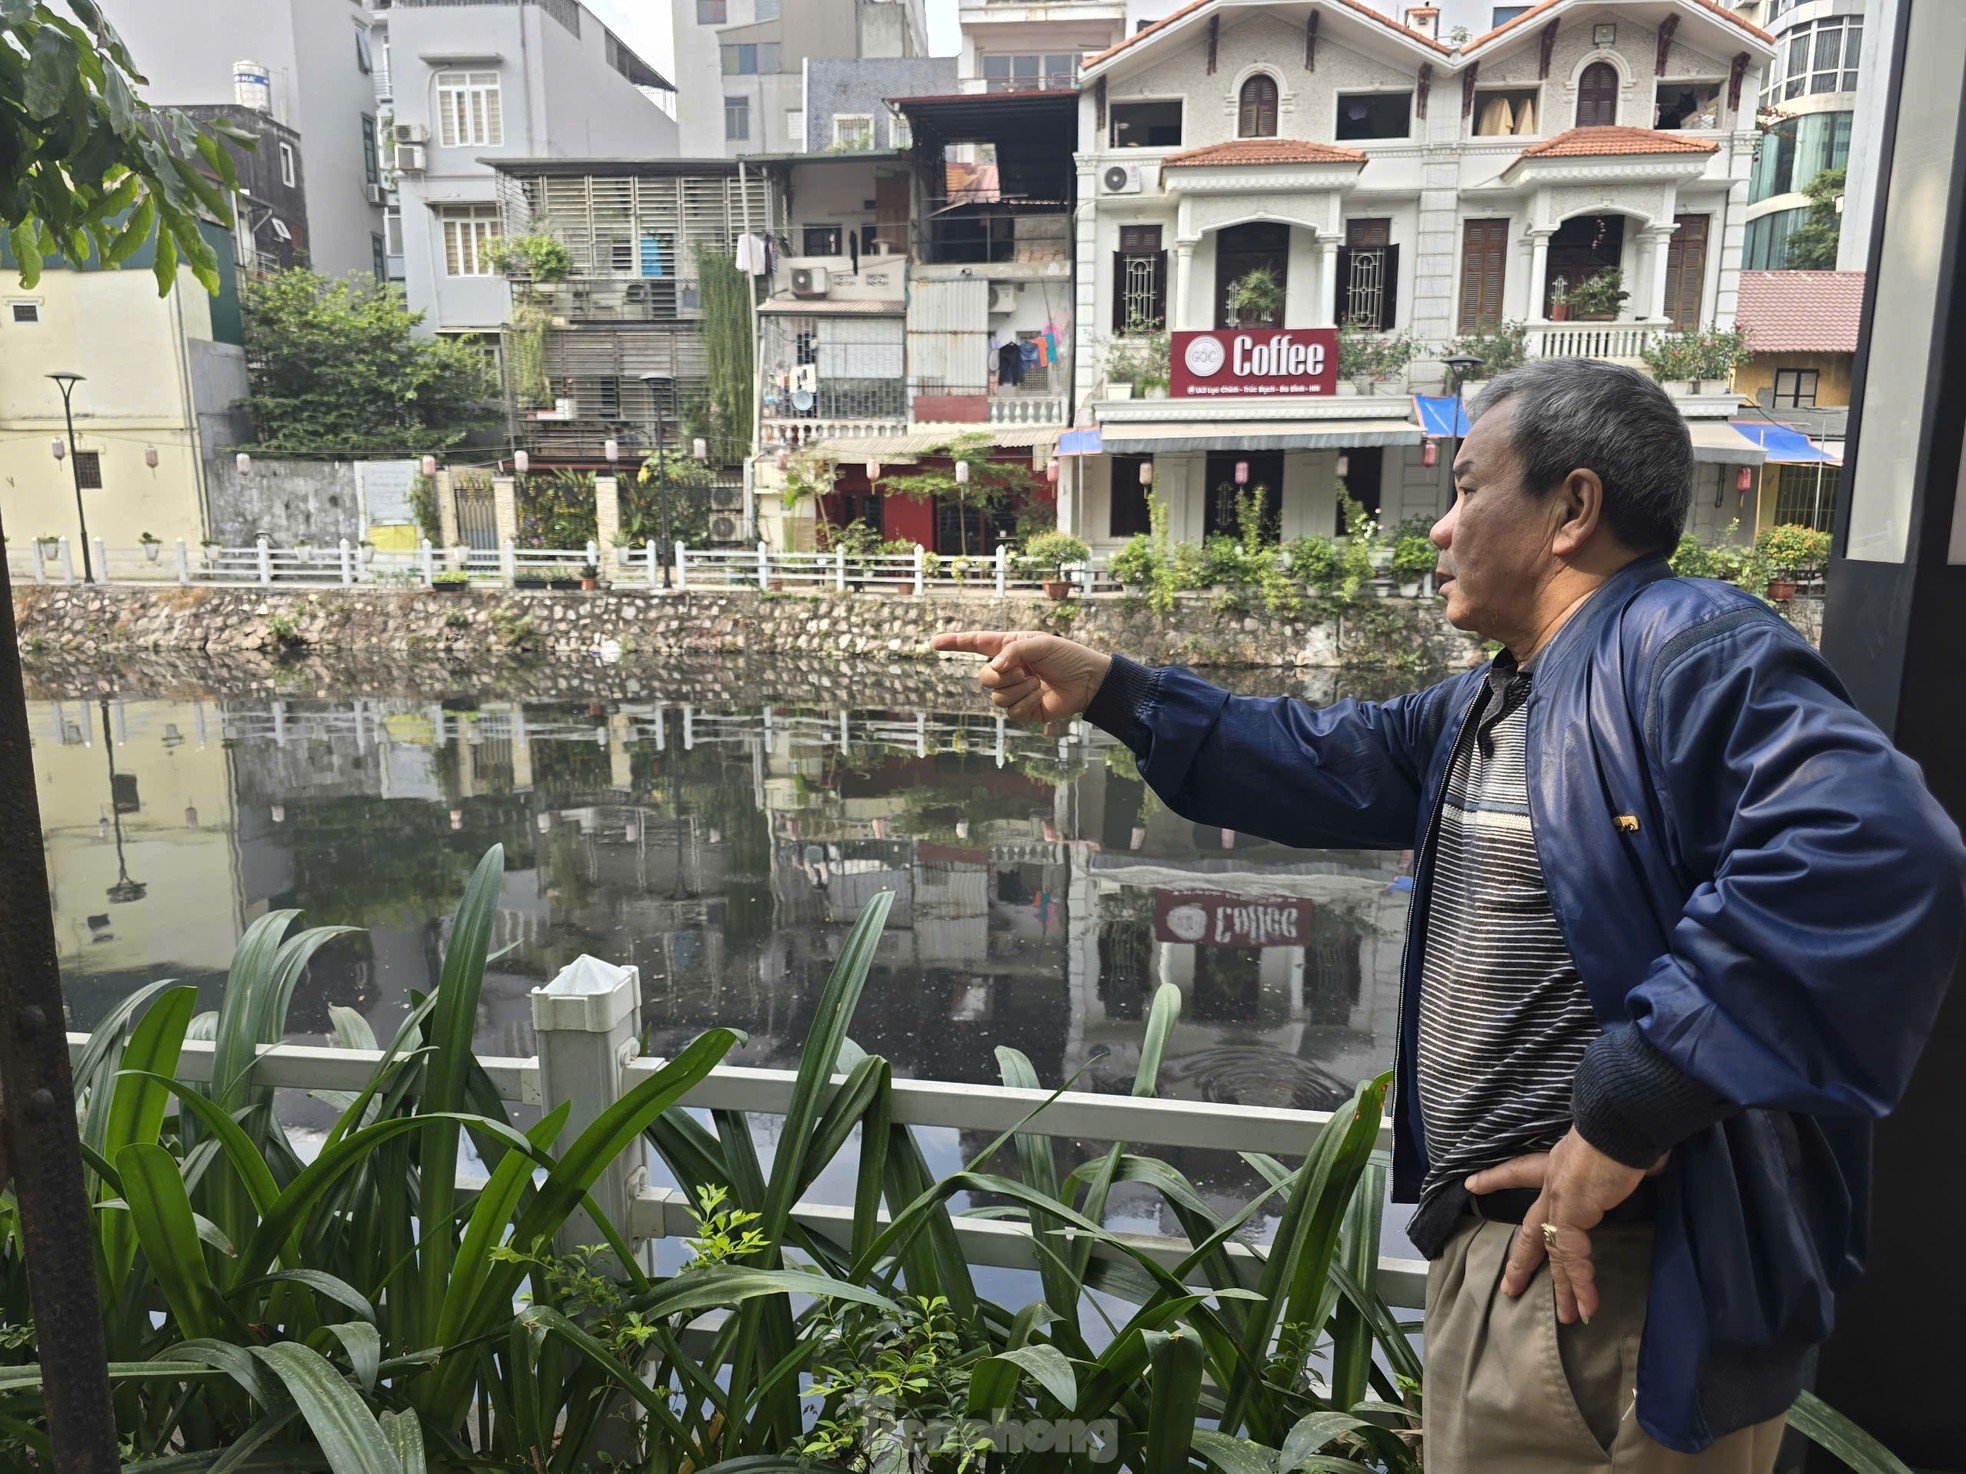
{"x": 1193, "y": 5}
{"x": 1595, "y": 142}
{"x": 1265, "y": 151}
{"x": 1801, "y": 311}
{"x": 1529, "y": 16}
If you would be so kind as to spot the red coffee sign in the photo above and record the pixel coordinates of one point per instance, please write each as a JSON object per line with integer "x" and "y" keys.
{"x": 1255, "y": 361}
{"x": 1231, "y": 921}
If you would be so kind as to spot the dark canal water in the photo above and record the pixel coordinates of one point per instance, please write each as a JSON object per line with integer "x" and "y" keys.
{"x": 722, "y": 841}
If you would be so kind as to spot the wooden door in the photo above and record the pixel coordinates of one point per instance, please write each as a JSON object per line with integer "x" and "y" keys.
{"x": 891, "y": 211}
{"x": 1597, "y": 96}
{"x": 1686, "y": 270}
{"x": 1368, "y": 275}
{"x": 1484, "y": 269}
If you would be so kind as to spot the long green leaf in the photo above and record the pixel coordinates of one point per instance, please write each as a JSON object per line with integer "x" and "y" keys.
{"x": 1238, "y": 1455}
{"x": 136, "y": 1107}
{"x": 1829, "y": 1430}
{"x": 490, "y": 1216}
{"x": 168, "y": 1232}
{"x": 1051, "y": 1369}
{"x": 1173, "y": 1400}
{"x": 349, "y": 1436}
{"x": 1351, "y": 1333}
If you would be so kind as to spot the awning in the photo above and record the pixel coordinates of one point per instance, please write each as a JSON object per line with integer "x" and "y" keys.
{"x": 1440, "y": 414}
{"x": 833, "y": 306}
{"x": 1144, "y": 437}
{"x": 912, "y": 447}
{"x": 1083, "y": 441}
{"x": 1784, "y": 444}
{"x": 1717, "y": 442}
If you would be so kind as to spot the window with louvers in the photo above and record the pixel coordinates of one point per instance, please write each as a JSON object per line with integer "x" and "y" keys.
{"x": 1139, "y": 280}
{"x": 1257, "y": 113}
{"x": 1368, "y": 276}
{"x": 1484, "y": 258}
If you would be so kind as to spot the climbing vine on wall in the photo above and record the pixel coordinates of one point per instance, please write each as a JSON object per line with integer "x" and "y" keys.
{"x": 727, "y": 341}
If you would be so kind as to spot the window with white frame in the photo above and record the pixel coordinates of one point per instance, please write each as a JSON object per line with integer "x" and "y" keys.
{"x": 795, "y": 127}
{"x": 287, "y": 165}
{"x": 469, "y": 231}
{"x": 392, "y": 230}
{"x": 469, "y": 111}
{"x": 900, "y": 131}
{"x": 737, "y": 117}
{"x": 853, "y": 131}
{"x": 1817, "y": 56}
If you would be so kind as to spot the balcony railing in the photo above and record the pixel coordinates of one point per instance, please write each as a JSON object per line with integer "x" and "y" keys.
{"x": 1622, "y": 340}
{"x": 614, "y": 298}
{"x": 1035, "y": 403}
{"x": 1040, "y": 233}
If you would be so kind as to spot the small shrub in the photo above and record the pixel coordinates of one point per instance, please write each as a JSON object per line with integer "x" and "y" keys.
{"x": 1505, "y": 348}
{"x": 1794, "y": 550}
{"x": 1136, "y": 564}
{"x": 1048, "y": 553}
{"x": 1315, "y": 560}
{"x": 1414, "y": 554}
{"x": 283, "y": 630}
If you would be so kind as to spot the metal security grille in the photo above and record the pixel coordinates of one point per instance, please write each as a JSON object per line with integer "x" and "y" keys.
{"x": 1141, "y": 290}
{"x": 477, "y": 524}
{"x": 1365, "y": 290}
{"x": 1806, "y": 495}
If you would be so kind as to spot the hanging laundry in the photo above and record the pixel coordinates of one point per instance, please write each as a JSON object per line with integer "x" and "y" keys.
{"x": 853, "y": 250}
{"x": 1525, "y": 117}
{"x": 1028, "y": 352}
{"x": 1010, "y": 364}
{"x": 651, "y": 256}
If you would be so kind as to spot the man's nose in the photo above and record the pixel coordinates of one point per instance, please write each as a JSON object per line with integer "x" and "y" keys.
{"x": 1442, "y": 535}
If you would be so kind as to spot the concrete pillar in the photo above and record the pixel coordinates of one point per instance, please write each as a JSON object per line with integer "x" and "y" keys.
{"x": 1303, "y": 296}
{"x": 446, "y": 510}
{"x": 1180, "y": 316}
{"x": 521, "y": 750}
{"x": 1328, "y": 280}
{"x": 620, "y": 760}
{"x": 607, "y": 515}
{"x": 1658, "y": 238}
{"x": 1539, "y": 272}
{"x": 505, "y": 508}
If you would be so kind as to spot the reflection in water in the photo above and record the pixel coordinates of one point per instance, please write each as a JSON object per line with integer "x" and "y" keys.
{"x": 1042, "y": 893}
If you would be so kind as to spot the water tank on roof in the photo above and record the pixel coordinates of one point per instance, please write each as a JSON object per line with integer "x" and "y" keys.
{"x": 252, "y": 86}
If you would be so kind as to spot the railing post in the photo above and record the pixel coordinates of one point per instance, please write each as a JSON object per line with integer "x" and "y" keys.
{"x": 183, "y": 562}
{"x": 429, "y": 569}
{"x": 593, "y": 554}
{"x": 102, "y": 560}
{"x": 655, "y": 573}
{"x": 585, "y": 1023}
{"x": 1003, "y": 567}
{"x": 764, "y": 565}
{"x": 918, "y": 570}
{"x": 508, "y": 562}
{"x": 265, "y": 562}
{"x": 347, "y": 565}
{"x": 839, "y": 569}
{"x": 66, "y": 557}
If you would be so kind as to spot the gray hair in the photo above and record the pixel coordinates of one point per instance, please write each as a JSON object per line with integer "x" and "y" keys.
{"x": 1585, "y": 414}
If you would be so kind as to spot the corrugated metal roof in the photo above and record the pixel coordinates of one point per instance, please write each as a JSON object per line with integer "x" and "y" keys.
{"x": 921, "y": 443}
{"x": 833, "y": 307}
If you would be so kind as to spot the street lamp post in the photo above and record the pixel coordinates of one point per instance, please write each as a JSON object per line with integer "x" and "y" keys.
{"x": 655, "y": 383}
{"x": 1459, "y": 366}
{"x": 66, "y": 383}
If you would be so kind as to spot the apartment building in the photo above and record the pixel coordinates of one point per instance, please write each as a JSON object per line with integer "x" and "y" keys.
{"x": 464, "y": 86}
{"x": 1387, "y": 179}
{"x": 310, "y": 65}
{"x": 745, "y": 64}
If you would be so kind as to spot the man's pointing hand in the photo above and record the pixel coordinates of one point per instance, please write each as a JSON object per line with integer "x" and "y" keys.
{"x": 1032, "y": 677}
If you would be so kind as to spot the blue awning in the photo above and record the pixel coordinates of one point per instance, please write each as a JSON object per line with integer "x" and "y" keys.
{"x": 1081, "y": 442}
{"x": 1785, "y": 445}
{"x": 1440, "y": 414}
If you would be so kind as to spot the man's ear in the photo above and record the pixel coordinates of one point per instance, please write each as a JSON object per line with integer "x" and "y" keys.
{"x": 1578, "y": 512}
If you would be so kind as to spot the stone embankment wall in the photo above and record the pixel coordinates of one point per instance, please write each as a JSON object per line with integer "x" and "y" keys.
{"x": 104, "y": 621}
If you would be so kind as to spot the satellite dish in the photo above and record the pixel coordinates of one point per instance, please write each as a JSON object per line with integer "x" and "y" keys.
{"x": 803, "y": 400}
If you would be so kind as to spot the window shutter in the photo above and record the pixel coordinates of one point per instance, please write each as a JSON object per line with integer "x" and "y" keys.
{"x": 1389, "y": 303}
{"x": 1160, "y": 289}
{"x": 1119, "y": 291}
{"x": 1341, "y": 298}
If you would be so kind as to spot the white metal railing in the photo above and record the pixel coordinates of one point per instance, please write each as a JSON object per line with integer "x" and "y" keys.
{"x": 1035, "y": 409}
{"x": 1591, "y": 340}
{"x": 594, "y": 1069}
{"x": 802, "y": 431}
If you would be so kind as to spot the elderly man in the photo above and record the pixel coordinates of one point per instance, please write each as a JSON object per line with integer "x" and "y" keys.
{"x": 1681, "y": 920}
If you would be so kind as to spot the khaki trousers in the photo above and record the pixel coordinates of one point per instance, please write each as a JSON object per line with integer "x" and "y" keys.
{"x": 1510, "y": 1391}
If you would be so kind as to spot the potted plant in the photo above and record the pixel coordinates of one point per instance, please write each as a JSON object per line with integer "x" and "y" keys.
{"x": 1791, "y": 553}
{"x": 1139, "y": 360}
{"x": 367, "y": 549}
{"x": 1500, "y": 349}
{"x": 590, "y": 577}
{"x": 1367, "y": 357}
{"x": 1048, "y": 554}
{"x": 449, "y": 583}
{"x": 1560, "y": 299}
{"x": 1256, "y": 297}
{"x": 530, "y": 258}
{"x": 152, "y": 545}
{"x": 1600, "y": 297}
{"x": 1690, "y": 358}
{"x": 50, "y": 546}
{"x": 1414, "y": 557}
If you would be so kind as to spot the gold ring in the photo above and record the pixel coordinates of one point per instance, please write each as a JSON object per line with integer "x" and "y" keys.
{"x": 1549, "y": 1235}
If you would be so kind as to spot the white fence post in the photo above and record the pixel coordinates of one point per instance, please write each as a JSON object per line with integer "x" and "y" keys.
{"x": 593, "y": 555}
{"x": 183, "y": 562}
{"x": 839, "y": 569}
{"x": 585, "y": 1023}
{"x": 429, "y": 571}
{"x": 1003, "y": 568}
{"x": 764, "y": 565}
{"x": 102, "y": 560}
{"x": 508, "y": 561}
{"x": 265, "y": 562}
{"x": 347, "y": 565}
{"x": 65, "y": 555}
{"x": 682, "y": 564}
{"x": 918, "y": 570}
{"x": 655, "y": 574}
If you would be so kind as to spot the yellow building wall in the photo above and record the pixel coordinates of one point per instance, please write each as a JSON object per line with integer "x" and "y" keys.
{"x": 1758, "y": 373}
{"x": 112, "y": 328}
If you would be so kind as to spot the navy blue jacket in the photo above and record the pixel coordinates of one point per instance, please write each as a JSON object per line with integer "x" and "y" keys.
{"x": 1762, "y": 899}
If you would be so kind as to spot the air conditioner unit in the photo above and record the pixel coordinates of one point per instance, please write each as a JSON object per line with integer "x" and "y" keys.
{"x": 723, "y": 529}
{"x": 726, "y": 498}
{"x": 409, "y": 133}
{"x": 1003, "y": 296}
{"x": 409, "y": 158}
{"x": 378, "y": 195}
{"x": 1121, "y": 179}
{"x": 808, "y": 281}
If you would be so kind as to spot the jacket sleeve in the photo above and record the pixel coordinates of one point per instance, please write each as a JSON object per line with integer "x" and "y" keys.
{"x": 1346, "y": 776}
{"x": 1806, "y": 968}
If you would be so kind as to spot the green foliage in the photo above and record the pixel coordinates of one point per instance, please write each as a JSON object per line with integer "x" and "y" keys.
{"x": 723, "y": 415}
{"x": 337, "y": 366}
{"x": 1503, "y": 348}
{"x": 89, "y": 169}
{"x": 1414, "y": 554}
{"x": 1143, "y": 356}
{"x": 687, "y": 493}
{"x": 450, "y": 580}
{"x": 1794, "y": 549}
{"x": 1812, "y": 244}
{"x": 857, "y": 539}
{"x": 542, "y": 258}
{"x": 1357, "y": 565}
{"x": 1048, "y": 553}
{"x": 1315, "y": 560}
{"x": 556, "y": 509}
{"x": 1698, "y": 353}
{"x": 1365, "y": 353}
{"x": 993, "y": 484}
{"x": 283, "y": 630}
{"x": 1601, "y": 294}
{"x": 525, "y": 352}
{"x": 423, "y": 508}
{"x": 1257, "y": 295}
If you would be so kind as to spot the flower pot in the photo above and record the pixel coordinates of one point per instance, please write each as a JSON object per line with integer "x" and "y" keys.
{"x": 1154, "y": 391}
{"x": 1693, "y": 386}
{"x": 1409, "y": 588}
{"x": 588, "y": 585}
{"x": 447, "y": 588}
{"x": 1056, "y": 589}
{"x": 152, "y": 549}
{"x": 1119, "y": 391}
{"x": 368, "y": 554}
{"x": 1559, "y": 312}
{"x": 531, "y": 581}
{"x": 1781, "y": 590}
{"x": 776, "y": 585}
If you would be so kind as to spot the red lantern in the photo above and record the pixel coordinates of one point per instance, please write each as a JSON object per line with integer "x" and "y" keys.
{"x": 1429, "y": 453}
{"x": 1242, "y": 473}
{"x": 1146, "y": 473}
{"x": 1051, "y": 472}
{"x": 1744, "y": 479}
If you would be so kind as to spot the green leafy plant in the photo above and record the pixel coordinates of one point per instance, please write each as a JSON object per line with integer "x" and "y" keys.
{"x": 1696, "y": 354}
{"x": 991, "y": 484}
{"x": 556, "y": 509}
{"x": 1142, "y": 356}
{"x": 1500, "y": 349}
{"x": 1793, "y": 550}
{"x": 1256, "y": 297}
{"x": 1414, "y": 553}
{"x": 1315, "y": 560}
{"x": 1048, "y": 554}
{"x": 536, "y": 257}
{"x": 283, "y": 630}
{"x": 1602, "y": 294}
{"x": 1812, "y": 244}
{"x": 1366, "y": 354}
{"x": 452, "y": 580}
{"x": 1559, "y": 291}
{"x": 1358, "y": 563}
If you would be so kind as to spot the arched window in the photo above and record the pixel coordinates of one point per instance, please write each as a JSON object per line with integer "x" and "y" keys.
{"x": 1597, "y": 96}
{"x": 1257, "y": 117}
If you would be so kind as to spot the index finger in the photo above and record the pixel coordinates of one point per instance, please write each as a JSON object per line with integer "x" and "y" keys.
{"x": 987, "y": 643}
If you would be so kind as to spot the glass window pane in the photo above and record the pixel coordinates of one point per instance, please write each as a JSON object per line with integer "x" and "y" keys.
{"x": 996, "y": 66}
